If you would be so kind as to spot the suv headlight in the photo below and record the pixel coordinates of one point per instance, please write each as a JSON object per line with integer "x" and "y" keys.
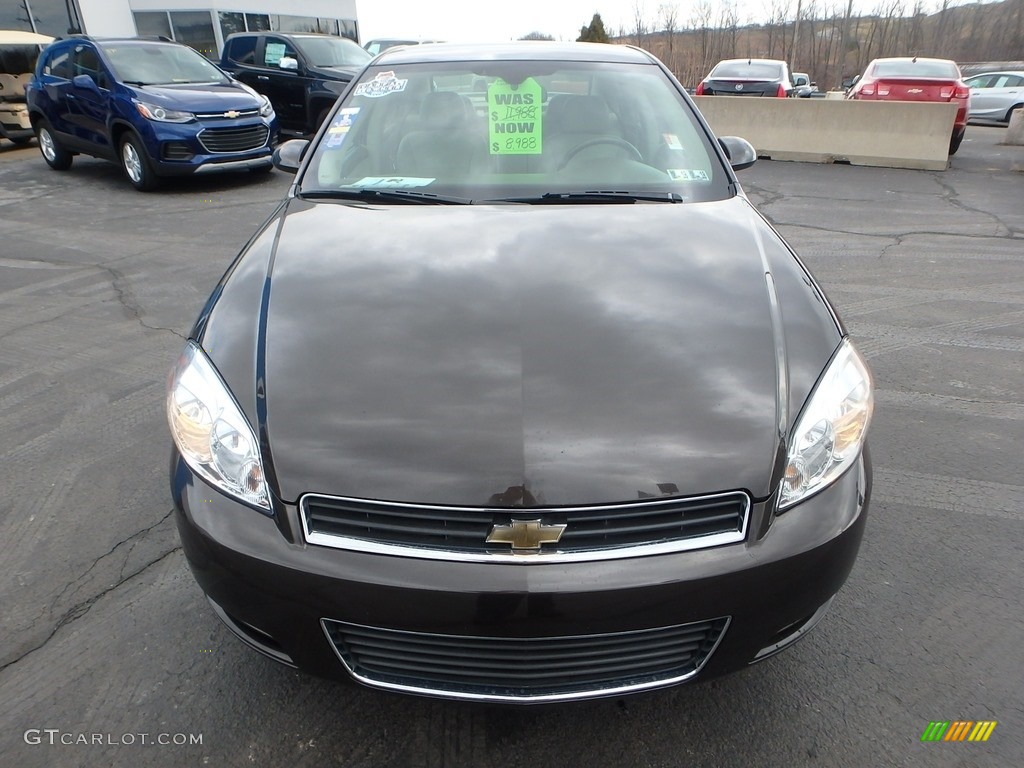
{"x": 162, "y": 114}
{"x": 210, "y": 431}
{"x": 266, "y": 110}
{"x": 830, "y": 433}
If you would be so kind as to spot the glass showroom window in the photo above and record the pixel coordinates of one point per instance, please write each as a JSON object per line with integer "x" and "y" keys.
{"x": 152, "y": 23}
{"x": 195, "y": 28}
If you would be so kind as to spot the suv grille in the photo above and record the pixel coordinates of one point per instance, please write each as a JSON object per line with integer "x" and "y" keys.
{"x": 591, "y": 532}
{"x": 224, "y": 115}
{"x": 524, "y": 668}
{"x": 234, "y": 139}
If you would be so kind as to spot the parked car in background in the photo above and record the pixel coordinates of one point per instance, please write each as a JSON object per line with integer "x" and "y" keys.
{"x": 917, "y": 79}
{"x": 18, "y": 54}
{"x": 539, "y": 408}
{"x": 301, "y": 73}
{"x": 748, "y": 77}
{"x": 803, "y": 86}
{"x": 995, "y": 95}
{"x": 156, "y": 107}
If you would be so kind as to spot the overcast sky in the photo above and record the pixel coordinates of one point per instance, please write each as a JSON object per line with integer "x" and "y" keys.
{"x": 467, "y": 21}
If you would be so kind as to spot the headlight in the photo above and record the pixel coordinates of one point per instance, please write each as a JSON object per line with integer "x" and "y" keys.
{"x": 210, "y": 431}
{"x": 265, "y": 109}
{"x": 830, "y": 433}
{"x": 162, "y": 114}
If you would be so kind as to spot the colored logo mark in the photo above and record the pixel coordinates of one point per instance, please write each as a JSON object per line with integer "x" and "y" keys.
{"x": 958, "y": 730}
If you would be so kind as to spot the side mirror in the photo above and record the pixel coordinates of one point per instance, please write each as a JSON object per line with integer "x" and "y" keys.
{"x": 741, "y": 153}
{"x": 288, "y": 156}
{"x": 289, "y": 64}
{"x": 85, "y": 82}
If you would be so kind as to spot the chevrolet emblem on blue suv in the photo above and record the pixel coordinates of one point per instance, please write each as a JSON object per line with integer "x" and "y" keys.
{"x": 156, "y": 107}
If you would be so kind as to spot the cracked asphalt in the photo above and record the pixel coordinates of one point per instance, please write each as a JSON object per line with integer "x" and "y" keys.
{"x": 107, "y": 643}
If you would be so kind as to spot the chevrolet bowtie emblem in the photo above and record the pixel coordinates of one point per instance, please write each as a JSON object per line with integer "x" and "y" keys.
{"x": 232, "y": 114}
{"x": 915, "y": 90}
{"x": 525, "y": 536}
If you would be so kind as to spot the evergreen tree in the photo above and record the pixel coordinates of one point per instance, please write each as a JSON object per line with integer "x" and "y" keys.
{"x": 594, "y": 33}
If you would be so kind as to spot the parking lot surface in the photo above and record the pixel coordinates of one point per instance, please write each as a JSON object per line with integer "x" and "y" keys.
{"x": 111, "y": 656}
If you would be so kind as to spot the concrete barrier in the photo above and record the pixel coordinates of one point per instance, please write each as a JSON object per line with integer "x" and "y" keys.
{"x": 889, "y": 134}
{"x": 1015, "y": 130}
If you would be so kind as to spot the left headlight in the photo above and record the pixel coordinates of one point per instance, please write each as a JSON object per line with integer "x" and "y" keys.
{"x": 830, "y": 433}
{"x": 266, "y": 110}
{"x": 162, "y": 114}
{"x": 210, "y": 431}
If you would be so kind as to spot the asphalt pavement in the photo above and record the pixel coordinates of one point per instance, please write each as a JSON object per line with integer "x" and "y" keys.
{"x": 109, "y": 655}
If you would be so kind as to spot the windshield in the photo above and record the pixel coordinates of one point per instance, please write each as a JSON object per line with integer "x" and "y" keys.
{"x": 920, "y": 68}
{"x": 332, "y": 52}
{"x": 754, "y": 70}
{"x": 160, "y": 64}
{"x": 504, "y": 130}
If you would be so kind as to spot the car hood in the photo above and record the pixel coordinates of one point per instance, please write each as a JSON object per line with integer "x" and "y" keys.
{"x": 204, "y": 98}
{"x": 337, "y": 73}
{"x": 563, "y": 354}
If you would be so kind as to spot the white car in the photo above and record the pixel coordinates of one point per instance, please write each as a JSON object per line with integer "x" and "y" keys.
{"x": 994, "y": 95}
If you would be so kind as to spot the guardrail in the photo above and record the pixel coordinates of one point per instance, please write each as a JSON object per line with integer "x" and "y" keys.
{"x": 888, "y": 134}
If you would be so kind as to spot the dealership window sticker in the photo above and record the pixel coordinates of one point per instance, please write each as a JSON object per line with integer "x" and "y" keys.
{"x": 514, "y": 117}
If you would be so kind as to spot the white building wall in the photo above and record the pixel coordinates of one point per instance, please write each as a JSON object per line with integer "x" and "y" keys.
{"x": 107, "y": 18}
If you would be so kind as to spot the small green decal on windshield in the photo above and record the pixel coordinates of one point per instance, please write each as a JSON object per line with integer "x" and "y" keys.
{"x": 514, "y": 117}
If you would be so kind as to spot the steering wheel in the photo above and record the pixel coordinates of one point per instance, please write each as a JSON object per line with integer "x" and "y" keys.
{"x": 621, "y": 143}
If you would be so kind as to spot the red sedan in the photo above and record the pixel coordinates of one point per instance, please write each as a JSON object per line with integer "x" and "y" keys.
{"x": 917, "y": 79}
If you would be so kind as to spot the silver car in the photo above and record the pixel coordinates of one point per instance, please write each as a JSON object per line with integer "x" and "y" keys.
{"x": 994, "y": 95}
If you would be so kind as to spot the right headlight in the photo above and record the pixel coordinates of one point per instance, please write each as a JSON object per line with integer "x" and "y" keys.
{"x": 211, "y": 433}
{"x": 162, "y": 114}
{"x": 830, "y": 433}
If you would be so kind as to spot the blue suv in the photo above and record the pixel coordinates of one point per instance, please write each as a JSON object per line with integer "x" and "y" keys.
{"x": 156, "y": 107}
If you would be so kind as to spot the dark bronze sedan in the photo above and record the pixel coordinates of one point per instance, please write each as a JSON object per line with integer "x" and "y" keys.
{"x": 515, "y": 397}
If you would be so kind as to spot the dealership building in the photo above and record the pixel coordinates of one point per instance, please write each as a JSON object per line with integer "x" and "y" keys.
{"x": 202, "y": 24}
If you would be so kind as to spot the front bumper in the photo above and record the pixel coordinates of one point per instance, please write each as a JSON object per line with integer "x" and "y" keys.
{"x": 286, "y": 598}
{"x": 183, "y": 149}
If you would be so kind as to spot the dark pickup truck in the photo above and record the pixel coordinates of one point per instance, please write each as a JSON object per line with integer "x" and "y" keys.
{"x": 302, "y": 74}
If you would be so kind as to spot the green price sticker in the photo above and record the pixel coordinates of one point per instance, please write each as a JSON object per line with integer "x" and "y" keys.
{"x": 514, "y": 117}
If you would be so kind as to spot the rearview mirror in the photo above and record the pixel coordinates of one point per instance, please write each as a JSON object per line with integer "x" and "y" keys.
{"x": 288, "y": 156}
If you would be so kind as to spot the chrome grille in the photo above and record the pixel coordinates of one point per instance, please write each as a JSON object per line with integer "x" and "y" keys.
{"x": 524, "y": 668}
{"x": 234, "y": 114}
{"x": 219, "y": 140}
{"x": 593, "y": 532}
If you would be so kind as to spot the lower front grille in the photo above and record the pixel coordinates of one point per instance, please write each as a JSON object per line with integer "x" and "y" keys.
{"x": 219, "y": 140}
{"x": 532, "y": 669}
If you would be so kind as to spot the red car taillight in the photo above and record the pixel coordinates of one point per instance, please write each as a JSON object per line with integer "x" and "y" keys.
{"x": 868, "y": 90}
{"x": 962, "y": 92}
{"x": 883, "y": 90}
{"x": 781, "y": 93}
{"x": 946, "y": 91}
{"x": 700, "y": 89}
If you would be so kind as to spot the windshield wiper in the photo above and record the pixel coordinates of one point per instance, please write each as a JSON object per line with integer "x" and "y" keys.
{"x": 408, "y": 196}
{"x": 593, "y": 196}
